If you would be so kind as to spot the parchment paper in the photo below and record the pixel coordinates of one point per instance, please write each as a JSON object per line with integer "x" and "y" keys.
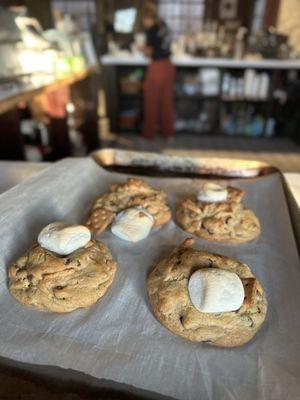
{"x": 118, "y": 338}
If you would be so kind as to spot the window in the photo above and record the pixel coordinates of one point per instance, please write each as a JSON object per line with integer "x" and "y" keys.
{"x": 84, "y": 12}
{"x": 182, "y": 16}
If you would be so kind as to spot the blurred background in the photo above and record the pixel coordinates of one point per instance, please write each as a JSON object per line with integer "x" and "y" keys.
{"x": 72, "y": 78}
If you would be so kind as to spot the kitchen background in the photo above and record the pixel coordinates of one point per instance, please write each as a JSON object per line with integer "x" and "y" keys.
{"x": 71, "y": 78}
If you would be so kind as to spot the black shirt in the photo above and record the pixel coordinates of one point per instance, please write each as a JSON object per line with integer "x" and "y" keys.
{"x": 158, "y": 37}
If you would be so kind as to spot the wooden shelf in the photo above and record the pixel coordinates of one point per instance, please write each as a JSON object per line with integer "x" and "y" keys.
{"x": 26, "y": 95}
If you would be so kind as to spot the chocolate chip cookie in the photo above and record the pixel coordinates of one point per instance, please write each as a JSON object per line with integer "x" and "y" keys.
{"x": 135, "y": 192}
{"x": 47, "y": 281}
{"x": 224, "y": 221}
{"x": 167, "y": 287}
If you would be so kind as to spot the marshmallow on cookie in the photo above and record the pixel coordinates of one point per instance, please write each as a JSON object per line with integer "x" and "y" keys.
{"x": 133, "y": 224}
{"x": 214, "y": 290}
{"x": 63, "y": 239}
{"x": 211, "y": 193}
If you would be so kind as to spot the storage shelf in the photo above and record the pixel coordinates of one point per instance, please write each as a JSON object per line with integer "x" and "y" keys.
{"x": 242, "y": 100}
{"x": 216, "y": 105}
{"x": 199, "y": 97}
{"x": 222, "y": 63}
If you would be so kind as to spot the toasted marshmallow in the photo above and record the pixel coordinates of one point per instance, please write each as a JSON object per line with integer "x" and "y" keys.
{"x": 133, "y": 224}
{"x": 214, "y": 290}
{"x": 212, "y": 192}
{"x": 62, "y": 238}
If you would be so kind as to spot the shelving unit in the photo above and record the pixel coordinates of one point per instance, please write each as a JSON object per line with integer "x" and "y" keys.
{"x": 261, "y": 109}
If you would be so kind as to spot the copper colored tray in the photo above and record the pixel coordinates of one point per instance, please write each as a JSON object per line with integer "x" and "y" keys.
{"x": 167, "y": 165}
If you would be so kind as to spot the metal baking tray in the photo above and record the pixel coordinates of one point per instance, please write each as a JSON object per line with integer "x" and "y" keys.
{"x": 146, "y": 163}
{"x": 74, "y": 184}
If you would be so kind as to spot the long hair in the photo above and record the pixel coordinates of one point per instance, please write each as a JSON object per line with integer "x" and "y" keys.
{"x": 149, "y": 10}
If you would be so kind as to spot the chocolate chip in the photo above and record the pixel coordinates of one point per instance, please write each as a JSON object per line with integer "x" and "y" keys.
{"x": 30, "y": 277}
{"x": 178, "y": 262}
{"x": 258, "y": 310}
{"x": 68, "y": 261}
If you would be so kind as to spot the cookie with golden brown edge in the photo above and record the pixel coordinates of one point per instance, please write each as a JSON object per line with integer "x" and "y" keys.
{"x": 226, "y": 220}
{"x": 119, "y": 197}
{"x": 51, "y": 282}
{"x": 168, "y": 287}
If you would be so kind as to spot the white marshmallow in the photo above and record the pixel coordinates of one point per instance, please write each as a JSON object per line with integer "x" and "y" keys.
{"x": 214, "y": 290}
{"x": 133, "y": 224}
{"x": 62, "y": 238}
{"x": 211, "y": 192}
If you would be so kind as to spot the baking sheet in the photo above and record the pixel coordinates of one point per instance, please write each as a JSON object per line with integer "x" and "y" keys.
{"x": 162, "y": 163}
{"x": 118, "y": 338}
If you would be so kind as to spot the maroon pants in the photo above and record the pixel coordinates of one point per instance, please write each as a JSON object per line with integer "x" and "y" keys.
{"x": 158, "y": 98}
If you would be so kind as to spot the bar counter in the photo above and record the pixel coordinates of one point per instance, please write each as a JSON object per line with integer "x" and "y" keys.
{"x": 188, "y": 61}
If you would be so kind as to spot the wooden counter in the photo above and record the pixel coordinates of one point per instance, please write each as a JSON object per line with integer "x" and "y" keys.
{"x": 10, "y": 102}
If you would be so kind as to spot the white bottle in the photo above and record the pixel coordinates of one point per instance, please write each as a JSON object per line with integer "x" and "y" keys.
{"x": 264, "y": 86}
{"x": 249, "y": 77}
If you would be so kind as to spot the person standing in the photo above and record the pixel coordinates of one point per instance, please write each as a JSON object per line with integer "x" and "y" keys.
{"x": 159, "y": 82}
